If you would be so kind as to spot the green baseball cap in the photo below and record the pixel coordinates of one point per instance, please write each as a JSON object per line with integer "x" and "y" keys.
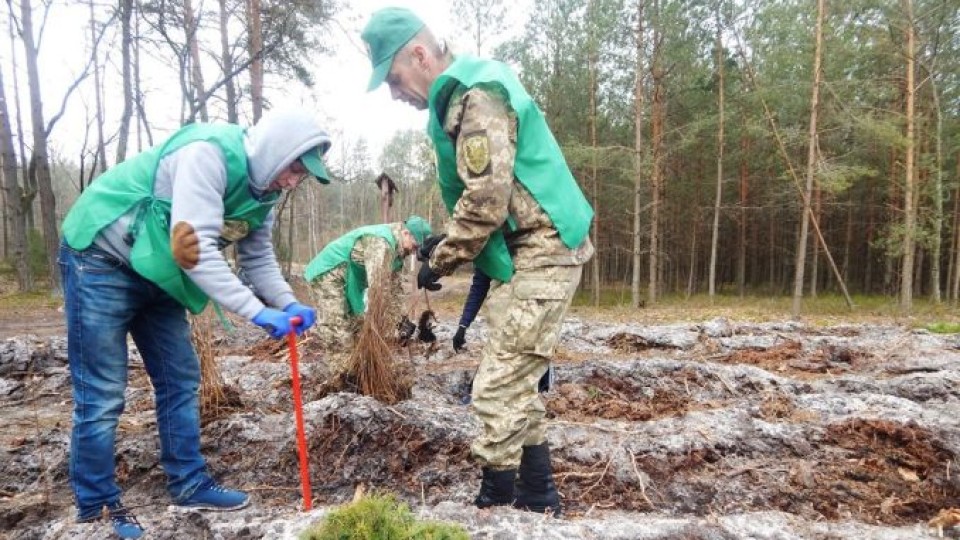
{"x": 388, "y": 30}
{"x": 313, "y": 160}
{"x": 418, "y": 227}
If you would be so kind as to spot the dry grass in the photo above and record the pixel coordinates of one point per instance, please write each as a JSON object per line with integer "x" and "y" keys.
{"x": 216, "y": 398}
{"x": 825, "y": 310}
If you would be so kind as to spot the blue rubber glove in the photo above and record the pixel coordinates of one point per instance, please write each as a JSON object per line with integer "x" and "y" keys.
{"x": 274, "y": 321}
{"x": 307, "y": 314}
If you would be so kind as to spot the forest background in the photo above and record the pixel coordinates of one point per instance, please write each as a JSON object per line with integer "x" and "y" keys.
{"x": 787, "y": 148}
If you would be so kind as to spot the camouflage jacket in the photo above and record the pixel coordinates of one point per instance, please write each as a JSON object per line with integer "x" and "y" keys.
{"x": 376, "y": 255}
{"x": 492, "y": 193}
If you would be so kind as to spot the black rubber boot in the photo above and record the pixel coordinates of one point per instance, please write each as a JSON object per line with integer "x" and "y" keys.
{"x": 496, "y": 488}
{"x": 536, "y": 491}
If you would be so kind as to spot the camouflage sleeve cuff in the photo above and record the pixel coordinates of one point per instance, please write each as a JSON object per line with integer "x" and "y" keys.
{"x": 443, "y": 266}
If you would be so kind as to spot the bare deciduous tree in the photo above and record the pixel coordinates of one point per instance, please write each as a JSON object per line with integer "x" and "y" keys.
{"x": 13, "y": 197}
{"x": 256, "y": 64}
{"x": 126, "y": 39}
{"x": 191, "y": 26}
{"x": 39, "y": 167}
{"x": 226, "y": 59}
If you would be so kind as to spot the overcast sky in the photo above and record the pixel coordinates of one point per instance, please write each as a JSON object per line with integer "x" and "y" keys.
{"x": 339, "y": 96}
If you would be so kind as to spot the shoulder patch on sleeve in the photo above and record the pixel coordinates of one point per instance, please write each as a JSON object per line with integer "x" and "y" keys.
{"x": 476, "y": 153}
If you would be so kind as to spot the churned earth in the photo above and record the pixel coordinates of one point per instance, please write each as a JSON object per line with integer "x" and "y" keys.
{"x": 712, "y": 429}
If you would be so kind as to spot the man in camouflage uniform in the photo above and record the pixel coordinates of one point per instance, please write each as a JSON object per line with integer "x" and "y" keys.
{"x": 518, "y": 214}
{"x": 340, "y": 274}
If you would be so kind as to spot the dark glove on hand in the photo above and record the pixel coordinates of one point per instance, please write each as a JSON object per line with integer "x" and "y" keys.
{"x": 405, "y": 329}
{"x": 426, "y": 248}
{"x": 543, "y": 385}
{"x": 307, "y": 315}
{"x": 427, "y": 278}
{"x": 274, "y": 321}
{"x": 460, "y": 339}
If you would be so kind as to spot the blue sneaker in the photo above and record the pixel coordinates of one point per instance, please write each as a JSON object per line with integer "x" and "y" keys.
{"x": 212, "y": 496}
{"x": 124, "y": 523}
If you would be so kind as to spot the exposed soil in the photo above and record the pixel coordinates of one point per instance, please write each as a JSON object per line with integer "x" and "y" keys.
{"x": 709, "y": 430}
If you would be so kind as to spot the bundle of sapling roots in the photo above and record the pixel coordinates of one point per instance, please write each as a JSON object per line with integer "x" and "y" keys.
{"x": 373, "y": 366}
{"x": 216, "y": 397}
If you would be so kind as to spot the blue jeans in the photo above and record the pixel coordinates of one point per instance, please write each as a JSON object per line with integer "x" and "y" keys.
{"x": 104, "y": 301}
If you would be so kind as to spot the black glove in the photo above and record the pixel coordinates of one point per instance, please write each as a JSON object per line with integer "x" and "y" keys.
{"x": 429, "y": 244}
{"x": 543, "y": 385}
{"x": 405, "y": 329}
{"x": 460, "y": 338}
{"x": 427, "y": 278}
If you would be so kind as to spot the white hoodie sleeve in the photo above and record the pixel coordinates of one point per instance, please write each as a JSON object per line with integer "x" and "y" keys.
{"x": 259, "y": 262}
{"x": 198, "y": 183}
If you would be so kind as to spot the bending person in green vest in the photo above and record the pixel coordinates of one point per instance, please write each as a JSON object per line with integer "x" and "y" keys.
{"x": 340, "y": 274}
{"x": 517, "y": 213}
{"x": 141, "y": 246}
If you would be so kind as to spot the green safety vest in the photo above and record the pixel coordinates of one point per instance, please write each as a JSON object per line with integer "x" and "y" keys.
{"x": 128, "y": 186}
{"x": 539, "y": 164}
{"x": 338, "y": 252}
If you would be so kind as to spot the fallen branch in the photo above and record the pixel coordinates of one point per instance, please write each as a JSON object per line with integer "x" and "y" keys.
{"x": 643, "y": 488}
{"x": 602, "y": 474}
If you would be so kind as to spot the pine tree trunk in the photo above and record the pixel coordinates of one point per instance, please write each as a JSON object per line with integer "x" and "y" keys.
{"x": 595, "y": 264}
{"x": 955, "y": 283}
{"x": 952, "y": 249}
{"x": 909, "y": 209}
{"x": 715, "y": 239}
{"x": 848, "y": 245}
{"x": 936, "y": 240}
{"x": 815, "y": 248}
{"x": 692, "y": 262}
{"x": 868, "y": 255}
{"x": 657, "y": 74}
{"x": 742, "y": 225}
{"x": 801, "y": 253}
{"x": 773, "y": 256}
{"x": 638, "y": 161}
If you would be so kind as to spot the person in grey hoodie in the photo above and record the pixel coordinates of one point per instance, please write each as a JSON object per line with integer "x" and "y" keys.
{"x": 141, "y": 246}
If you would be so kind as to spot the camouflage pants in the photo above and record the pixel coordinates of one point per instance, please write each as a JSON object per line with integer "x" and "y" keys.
{"x": 524, "y": 318}
{"x": 335, "y": 326}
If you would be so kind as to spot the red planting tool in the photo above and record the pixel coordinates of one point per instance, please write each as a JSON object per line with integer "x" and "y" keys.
{"x": 298, "y": 414}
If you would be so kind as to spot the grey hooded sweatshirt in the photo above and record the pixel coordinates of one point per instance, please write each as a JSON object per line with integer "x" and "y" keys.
{"x": 194, "y": 178}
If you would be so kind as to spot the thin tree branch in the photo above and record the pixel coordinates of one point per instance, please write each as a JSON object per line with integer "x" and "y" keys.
{"x": 83, "y": 75}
